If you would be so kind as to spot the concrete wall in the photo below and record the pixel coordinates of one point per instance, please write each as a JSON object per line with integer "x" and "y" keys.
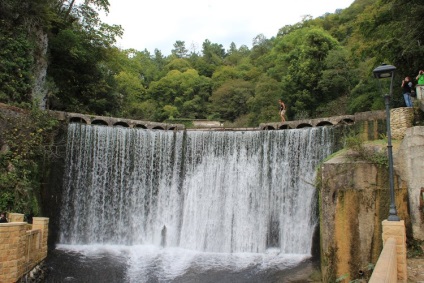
{"x": 354, "y": 200}
{"x": 409, "y": 166}
{"x": 22, "y": 247}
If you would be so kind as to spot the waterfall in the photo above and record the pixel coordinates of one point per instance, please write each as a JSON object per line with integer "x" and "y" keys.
{"x": 209, "y": 191}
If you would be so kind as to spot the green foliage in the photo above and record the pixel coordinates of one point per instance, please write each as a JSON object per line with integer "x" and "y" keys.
{"x": 179, "y": 64}
{"x": 263, "y": 106}
{"x": 223, "y": 74}
{"x": 187, "y": 91}
{"x": 366, "y": 151}
{"x": 28, "y": 139}
{"x": 319, "y": 67}
{"x": 230, "y": 100}
{"x": 300, "y": 58}
{"x": 180, "y": 51}
{"x": 16, "y": 63}
{"x": 84, "y": 85}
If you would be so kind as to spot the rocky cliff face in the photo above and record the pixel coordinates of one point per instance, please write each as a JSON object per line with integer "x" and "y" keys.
{"x": 39, "y": 90}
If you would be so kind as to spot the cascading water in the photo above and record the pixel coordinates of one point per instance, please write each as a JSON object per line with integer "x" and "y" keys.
{"x": 202, "y": 191}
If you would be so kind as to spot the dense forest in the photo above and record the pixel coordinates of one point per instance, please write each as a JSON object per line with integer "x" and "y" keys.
{"x": 58, "y": 54}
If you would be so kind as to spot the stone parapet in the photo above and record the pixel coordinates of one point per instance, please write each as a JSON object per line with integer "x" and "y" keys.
{"x": 42, "y": 224}
{"x": 401, "y": 119}
{"x": 12, "y": 247}
{"x": 16, "y": 217}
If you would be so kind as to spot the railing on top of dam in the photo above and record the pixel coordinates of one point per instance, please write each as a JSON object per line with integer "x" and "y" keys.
{"x": 213, "y": 125}
{"x": 70, "y": 117}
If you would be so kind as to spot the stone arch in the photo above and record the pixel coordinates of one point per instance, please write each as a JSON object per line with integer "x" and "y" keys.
{"x": 284, "y": 127}
{"x": 121, "y": 124}
{"x": 141, "y": 126}
{"x": 303, "y": 125}
{"x": 172, "y": 128}
{"x": 346, "y": 121}
{"x": 158, "y": 128}
{"x": 99, "y": 122}
{"x": 324, "y": 123}
{"x": 268, "y": 127}
{"x": 77, "y": 120}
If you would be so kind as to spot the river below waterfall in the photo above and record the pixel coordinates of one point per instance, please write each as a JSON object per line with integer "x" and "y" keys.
{"x": 160, "y": 206}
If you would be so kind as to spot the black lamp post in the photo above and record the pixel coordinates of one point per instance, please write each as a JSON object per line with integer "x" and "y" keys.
{"x": 383, "y": 72}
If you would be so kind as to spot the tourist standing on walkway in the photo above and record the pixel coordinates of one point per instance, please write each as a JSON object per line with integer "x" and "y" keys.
{"x": 282, "y": 110}
{"x": 406, "y": 90}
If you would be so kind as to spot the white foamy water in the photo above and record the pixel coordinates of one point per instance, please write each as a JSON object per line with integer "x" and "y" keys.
{"x": 145, "y": 262}
{"x": 203, "y": 196}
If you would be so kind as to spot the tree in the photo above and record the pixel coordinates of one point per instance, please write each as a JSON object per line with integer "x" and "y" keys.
{"x": 182, "y": 90}
{"x": 339, "y": 76}
{"x": 179, "y": 64}
{"x": 236, "y": 56}
{"x": 299, "y": 62}
{"x": 263, "y": 106}
{"x": 223, "y": 74}
{"x": 230, "y": 100}
{"x": 180, "y": 51}
{"x": 213, "y": 53}
{"x": 78, "y": 68}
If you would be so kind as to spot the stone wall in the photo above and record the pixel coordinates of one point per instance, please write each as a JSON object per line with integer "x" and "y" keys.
{"x": 401, "y": 119}
{"x": 22, "y": 247}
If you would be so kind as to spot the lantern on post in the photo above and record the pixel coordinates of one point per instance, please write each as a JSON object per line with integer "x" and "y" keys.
{"x": 380, "y": 73}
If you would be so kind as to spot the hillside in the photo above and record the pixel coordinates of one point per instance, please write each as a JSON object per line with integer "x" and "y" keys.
{"x": 59, "y": 55}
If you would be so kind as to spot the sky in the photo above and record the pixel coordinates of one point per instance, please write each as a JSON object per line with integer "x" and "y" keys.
{"x": 158, "y": 24}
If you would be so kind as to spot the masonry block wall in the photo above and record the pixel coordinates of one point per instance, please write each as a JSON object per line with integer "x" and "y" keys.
{"x": 401, "y": 119}
{"x": 22, "y": 247}
{"x": 16, "y": 217}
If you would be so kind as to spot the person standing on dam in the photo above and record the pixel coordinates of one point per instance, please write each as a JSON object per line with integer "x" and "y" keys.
{"x": 282, "y": 110}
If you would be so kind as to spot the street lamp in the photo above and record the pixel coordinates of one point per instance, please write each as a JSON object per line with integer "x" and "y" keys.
{"x": 383, "y": 72}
